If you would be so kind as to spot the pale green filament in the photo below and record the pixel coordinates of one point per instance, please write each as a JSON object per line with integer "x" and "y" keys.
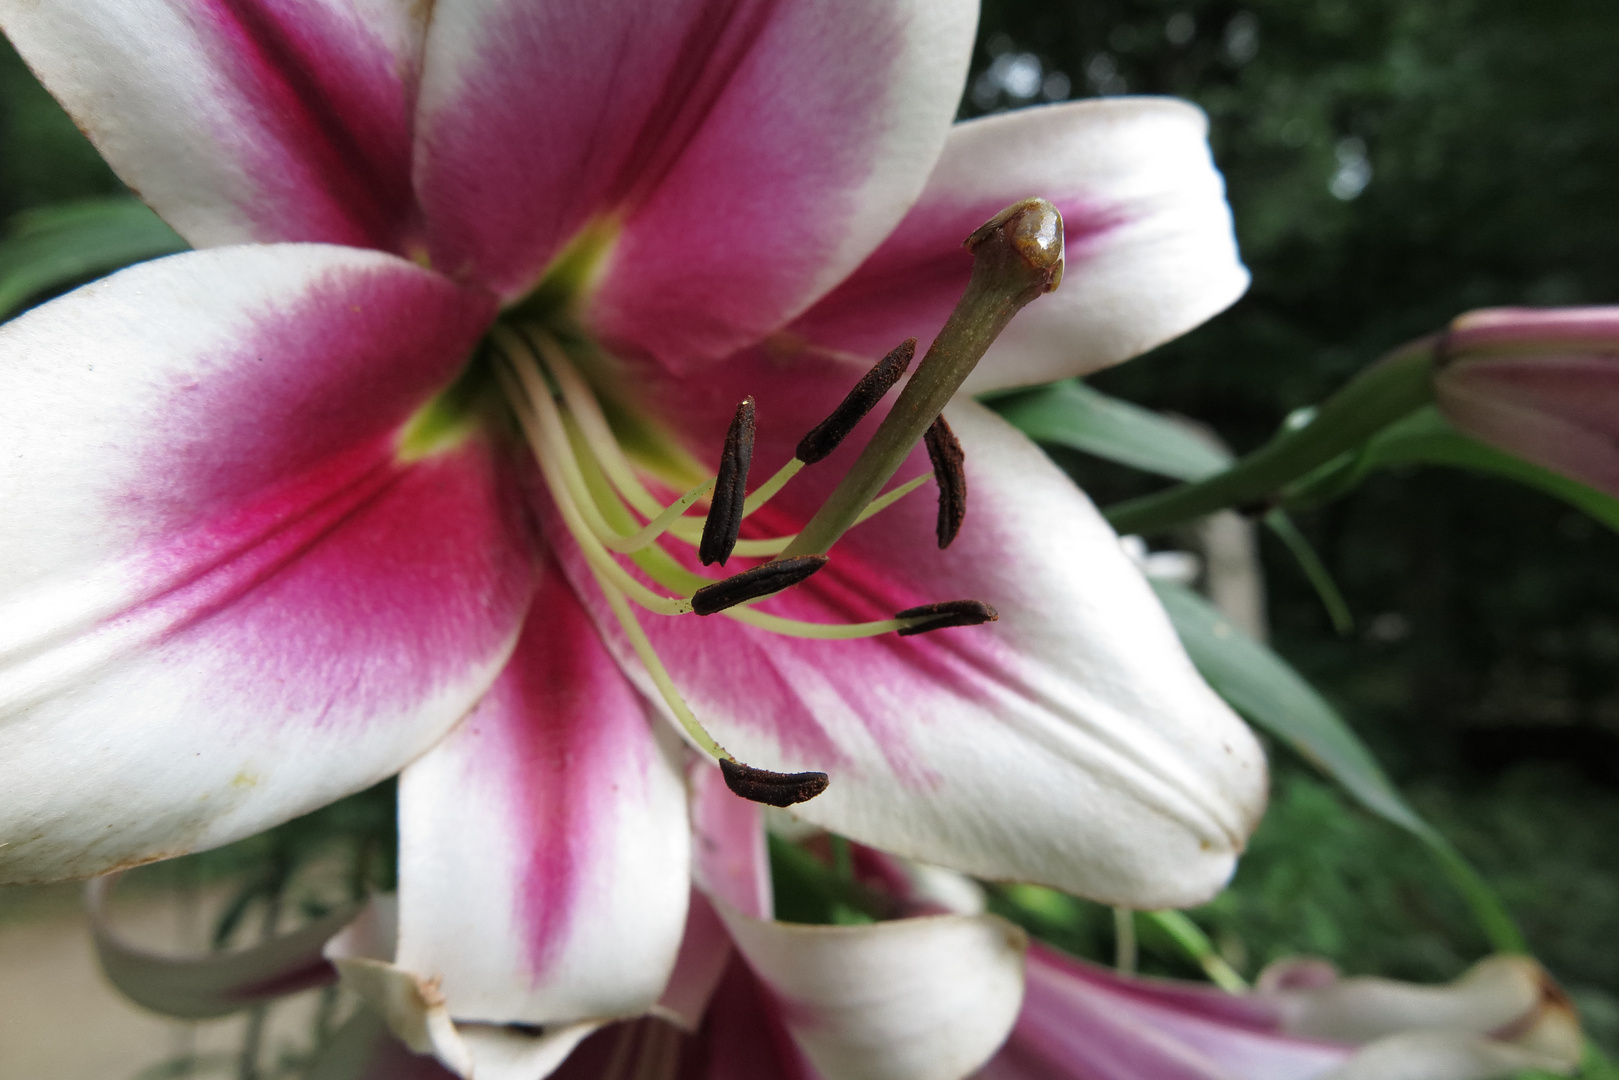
{"x": 528, "y": 412}
{"x": 657, "y": 672}
{"x": 581, "y": 402}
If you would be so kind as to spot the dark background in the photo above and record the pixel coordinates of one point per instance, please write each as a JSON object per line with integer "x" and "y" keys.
{"x": 1391, "y": 163}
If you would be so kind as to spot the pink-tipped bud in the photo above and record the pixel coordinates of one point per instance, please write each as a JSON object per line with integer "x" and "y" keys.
{"x": 1542, "y": 384}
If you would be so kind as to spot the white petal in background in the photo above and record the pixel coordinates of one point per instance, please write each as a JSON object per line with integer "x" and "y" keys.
{"x": 915, "y": 999}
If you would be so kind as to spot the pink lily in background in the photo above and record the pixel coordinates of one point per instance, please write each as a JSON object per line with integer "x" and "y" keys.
{"x": 924, "y": 998}
{"x": 272, "y": 533}
{"x": 931, "y": 994}
{"x": 1541, "y": 383}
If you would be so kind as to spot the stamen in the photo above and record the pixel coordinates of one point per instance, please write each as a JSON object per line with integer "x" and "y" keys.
{"x": 944, "y": 450}
{"x": 662, "y": 523}
{"x": 764, "y": 580}
{"x": 759, "y": 785}
{"x": 542, "y": 425}
{"x": 777, "y": 544}
{"x": 581, "y": 402}
{"x": 724, "y": 522}
{"x": 825, "y": 436}
{"x": 930, "y": 617}
{"x": 772, "y": 788}
{"x": 656, "y": 671}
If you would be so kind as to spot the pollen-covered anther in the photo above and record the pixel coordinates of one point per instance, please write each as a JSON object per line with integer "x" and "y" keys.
{"x": 726, "y": 507}
{"x": 949, "y": 472}
{"x": 764, "y": 580}
{"x": 772, "y": 788}
{"x": 825, "y": 436}
{"x": 945, "y": 614}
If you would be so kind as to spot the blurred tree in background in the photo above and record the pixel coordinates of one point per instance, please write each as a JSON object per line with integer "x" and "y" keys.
{"x": 1391, "y": 163}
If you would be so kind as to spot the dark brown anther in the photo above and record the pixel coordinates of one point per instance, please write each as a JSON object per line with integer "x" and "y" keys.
{"x": 944, "y": 450}
{"x": 724, "y": 523}
{"x": 772, "y": 577}
{"x": 826, "y": 435}
{"x": 946, "y": 614}
{"x": 772, "y": 788}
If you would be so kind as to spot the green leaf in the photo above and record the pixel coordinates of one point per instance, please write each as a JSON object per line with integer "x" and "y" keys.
{"x": 1071, "y": 414}
{"x": 1426, "y": 438}
{"x": 50, "y": 249}
{"x": 1190, "y": 939}
{"x": 1264, "y": 688}
{"x": 1315, "y": 571}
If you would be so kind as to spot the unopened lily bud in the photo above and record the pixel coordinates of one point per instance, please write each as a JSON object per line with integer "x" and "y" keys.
{"x": 1539, "y": 383}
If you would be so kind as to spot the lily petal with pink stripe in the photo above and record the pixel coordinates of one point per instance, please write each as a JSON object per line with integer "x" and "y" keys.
{"x": 225, "y": 597}
{"x": 1149, "y": 247}
{"x": 543, "y": 843}
{"x": 242, "y": 120}
{"x": 743, "y": 155}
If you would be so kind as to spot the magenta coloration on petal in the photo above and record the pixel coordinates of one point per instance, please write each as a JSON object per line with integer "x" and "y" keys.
{"x": 574, "y": 762}
{"x": 276, "y": 510}
{"x": 742, "y": 155}
{"x": 543, "y": 843}
{"x": 1511, "y": 330}
{"x": 302, "y": 379}
{"x": 243, "y": 120}
{"x": 730, "y": 860}
{"x": 742, "y": 1037}
{"x": 332, "y": 104}
{"x": 401, "y": 584}
{"x": 915, "y": 278}
{"x": 219, "y": 562}
{"x": 1082, "y": 1022}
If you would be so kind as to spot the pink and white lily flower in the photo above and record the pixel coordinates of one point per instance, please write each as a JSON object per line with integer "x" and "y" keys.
{"x": 273, "y": 535}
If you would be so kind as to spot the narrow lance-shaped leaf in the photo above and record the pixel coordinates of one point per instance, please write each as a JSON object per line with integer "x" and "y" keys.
{"x": 54, "y": 247}
{"x": 1264, "y": 688}
{"x": 1072, "y": 414}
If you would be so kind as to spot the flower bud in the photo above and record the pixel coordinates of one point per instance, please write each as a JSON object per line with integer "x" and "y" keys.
{"x": 1542, "y": 384}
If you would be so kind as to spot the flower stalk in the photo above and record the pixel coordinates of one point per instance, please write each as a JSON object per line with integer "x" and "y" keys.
{"x": 1388, "y": 390}
{"x": 1017, "y": 256}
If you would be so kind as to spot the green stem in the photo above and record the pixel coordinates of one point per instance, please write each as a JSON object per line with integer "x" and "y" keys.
{"x": 1017, "y": 256}
{"x": 1492, "y": 917}
{"x": 1378, "y": 396}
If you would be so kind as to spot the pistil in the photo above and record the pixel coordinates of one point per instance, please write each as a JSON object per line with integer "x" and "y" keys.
{"x": 1017, "y": 256}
